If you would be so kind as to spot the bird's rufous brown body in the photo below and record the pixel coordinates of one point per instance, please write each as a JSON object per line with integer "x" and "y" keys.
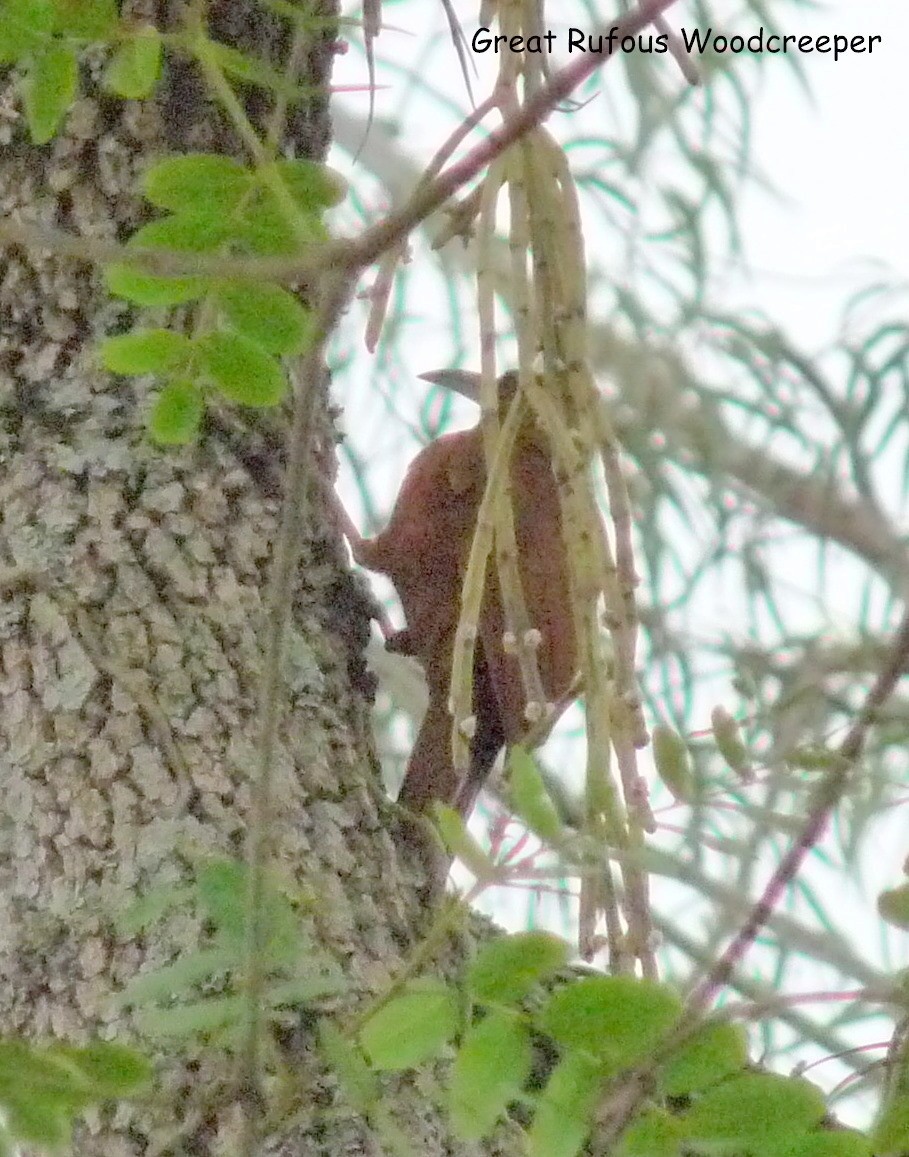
{"x": 424, "y": 551}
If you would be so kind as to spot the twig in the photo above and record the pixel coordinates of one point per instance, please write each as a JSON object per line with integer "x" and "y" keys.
{"x": 344, "y": 254}
{"x": 357, "y": 254}
{"x": 677, "y": 51}
{"x": 827, "y": 795}
{"x": 280, "y": 596}
{"x": 625, "y": 1099}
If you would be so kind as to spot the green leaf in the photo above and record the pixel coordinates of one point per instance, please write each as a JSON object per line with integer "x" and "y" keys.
{"x": 356, "y": 1078}
{"x": 222, "y": 886}
{"x": 411, "y": 1027}
{"x": 179, "y": 978}
{"x": 461, "y": 843}
{"x": 267, "y": 314}
{"x": 177, "y": 413}
{"x": 717, "y": 1050}
{"x": 489, "y": 1071}
{"x": 85, "y": 19}
{"x": 180, "y": 234}
{"x": 183, "y": 233}
{"x": 672, "y": 760}
{"x": 314, "y": 187}
{"x": 7, "y": 1143}
{"x": 655, "y": 1133}
{"x": 813, "y": 757}
{"x": 893, "y": 906}
{"x": 151, "y": 907}
{"x": 186, "y": 1020}
{"x": 728, "y": 737}
{"x": 145, "y": 351}
{"x": 530, "y": 797}
{"x": 38, "y": 1121}
{"x": 618, "y": 1018}
{"x": 136, "y": 65}
{"x": 300, "y": 990}
{"x": 891, "y": 1130}
{"x": 255, "y": 70}
{"x": 242, "y": 370}
{"x": 49, "y": 88}
{"x": 505, "y": 970}
{"x": 110, "y": 1070}
{"x": 262, "y": 225}
{"x": 754, "y": 1109}
{"x": 23, "y": 1067}
{"x": 205, "y": 184}
{"x": 25, "y": 25}
{"x": 132, "y": 283}
{"x": 826, "y": 1143}
{"x": 564, "y": 1113}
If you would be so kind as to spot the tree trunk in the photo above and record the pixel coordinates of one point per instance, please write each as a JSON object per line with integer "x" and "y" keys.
{"x": 133, "y": 584}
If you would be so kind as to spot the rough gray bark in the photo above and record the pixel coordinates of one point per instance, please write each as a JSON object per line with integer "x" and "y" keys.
{"x": 130, "y": 623}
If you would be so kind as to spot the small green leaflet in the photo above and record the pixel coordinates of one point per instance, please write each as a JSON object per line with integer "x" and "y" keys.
{"x": 411, "y": 1027}
{"x": 177, "y": 413}
{"x": 93, "y": 20}
{"x": 203, "y": 184}
{"x": 266, "y": 314}
{"x": 145, "y": 351}
{"x": 49, "y": 88}
{"x": 24, "y": 26}
{"x": 136, "y": 65}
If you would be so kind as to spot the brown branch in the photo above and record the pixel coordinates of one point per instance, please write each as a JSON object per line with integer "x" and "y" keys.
{"x": 345, "y": 254}
{"x": 827, "y": 795}
{"x": 655, "y": 386}
{"x": 624, "y": 1100}
{"x": 425, "y": 200}
{"x": 35, "y": 236}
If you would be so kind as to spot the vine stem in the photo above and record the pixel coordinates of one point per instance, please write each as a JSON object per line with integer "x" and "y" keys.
{"x": 294, "y": 510}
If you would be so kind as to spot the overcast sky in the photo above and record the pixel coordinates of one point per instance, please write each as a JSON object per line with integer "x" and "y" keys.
{"x": 842, "y": 164}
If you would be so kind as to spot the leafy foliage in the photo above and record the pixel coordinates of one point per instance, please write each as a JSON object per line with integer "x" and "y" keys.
{"x": 216, "y": 205}
{"x": 198, "y": 994}
{"x": 598, "y": 1028}
{"x": 42, "y": 1090}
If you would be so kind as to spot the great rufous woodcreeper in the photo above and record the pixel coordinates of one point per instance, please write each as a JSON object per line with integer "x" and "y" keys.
{"x": 424, "y": 550}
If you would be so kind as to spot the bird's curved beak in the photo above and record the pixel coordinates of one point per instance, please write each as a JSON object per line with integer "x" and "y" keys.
{"x": 463, "y": 382}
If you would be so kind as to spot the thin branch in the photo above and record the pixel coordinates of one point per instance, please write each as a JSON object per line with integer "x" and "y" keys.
{"x": 624, "y": 1100}
{"x": 360, "y": 253}
{"x": 659, "y": 384}
{"x": 822, "y": 1035}
{"x": 278, "y": 602}
{"x": 827, "y": 795}
{"x": 36, "y": 236}
{"x": 678, "y": 52}
{"x": 346, "y": 253}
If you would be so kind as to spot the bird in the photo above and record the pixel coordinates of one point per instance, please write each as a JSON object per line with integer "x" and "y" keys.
{"x": 424, "y": 550}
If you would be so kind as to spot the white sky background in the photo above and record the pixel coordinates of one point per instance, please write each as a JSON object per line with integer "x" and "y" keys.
{"x": 839, "y": 165}
{"x": 842, "y": 169}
